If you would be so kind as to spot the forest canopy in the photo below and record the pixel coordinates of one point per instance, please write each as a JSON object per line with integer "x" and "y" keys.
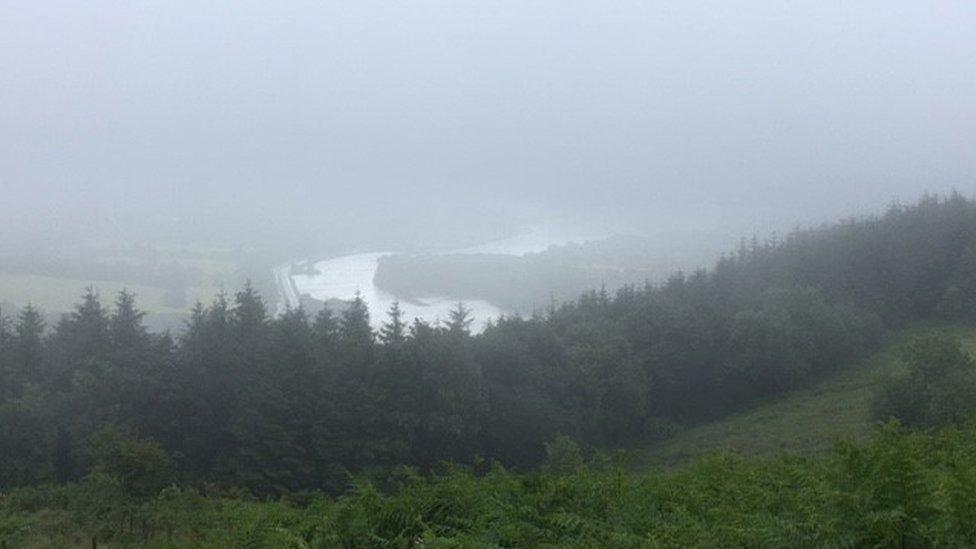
{"x": 275, "y": 404}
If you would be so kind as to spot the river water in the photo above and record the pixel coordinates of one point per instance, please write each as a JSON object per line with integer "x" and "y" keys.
{"x": 341, "y": 277}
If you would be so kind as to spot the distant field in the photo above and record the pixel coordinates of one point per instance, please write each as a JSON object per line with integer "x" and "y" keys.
{"x": 803, "y": 422}
{"x": 211, "y": 270}
{"x": 210, "y": 267}
{"x": 55, "y": 294}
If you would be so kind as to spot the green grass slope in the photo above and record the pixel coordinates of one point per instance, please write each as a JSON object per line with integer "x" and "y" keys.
{"x": 806, "y": 421}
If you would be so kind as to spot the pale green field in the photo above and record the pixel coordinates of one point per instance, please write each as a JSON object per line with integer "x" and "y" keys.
{"x": 58, "y": 294}
{"x": 216, "y": 264}
{"x": 803, "y": 422}
{"x": 210, "y": 271}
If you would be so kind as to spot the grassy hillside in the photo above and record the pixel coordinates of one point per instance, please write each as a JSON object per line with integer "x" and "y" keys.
{"x": 805, "y": 421}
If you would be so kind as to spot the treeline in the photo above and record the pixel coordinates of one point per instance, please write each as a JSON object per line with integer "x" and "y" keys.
{"x": 898, "y": 490}
{"x": 283, "y": 404}
{"x": 530, "y": 281}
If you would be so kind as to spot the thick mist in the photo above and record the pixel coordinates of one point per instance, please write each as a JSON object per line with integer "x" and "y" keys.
{"x": 439, "y": 123}
{"x": 492, "y": 273}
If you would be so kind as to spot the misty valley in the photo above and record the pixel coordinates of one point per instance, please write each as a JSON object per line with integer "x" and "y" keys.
{"x": 519, "y": 275}
{"x": 480, "y": 274}
{"x": 662, "y": 413}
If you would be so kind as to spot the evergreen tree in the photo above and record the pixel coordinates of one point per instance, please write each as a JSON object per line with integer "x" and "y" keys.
{"x": 80, "y": 343}
{"x": 355, "y": 331}
{"x": 459, "y": 320}
{"x": 7, "y": 367}
{"x": 204, "y": 397}
{"x": 250, "y": 315}
{"x": 126, "y": 329}
{"x": 393, "y": 331}
{"x": 86, "y": 330}
{"x": 27, "y": 346}
{"x": 326, "y": 328}
{"x": 420, "y": 329}
{"x": 5, "y": 332}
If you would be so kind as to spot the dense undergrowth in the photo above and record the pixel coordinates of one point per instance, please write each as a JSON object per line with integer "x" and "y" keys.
{"x": 900, "y": 489}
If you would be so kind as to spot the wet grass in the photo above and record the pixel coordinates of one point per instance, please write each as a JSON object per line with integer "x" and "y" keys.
{"x": 808, "y": 421}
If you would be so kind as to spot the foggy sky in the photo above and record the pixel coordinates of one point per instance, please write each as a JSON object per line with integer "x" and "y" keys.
{"x": 277, "y": 119}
